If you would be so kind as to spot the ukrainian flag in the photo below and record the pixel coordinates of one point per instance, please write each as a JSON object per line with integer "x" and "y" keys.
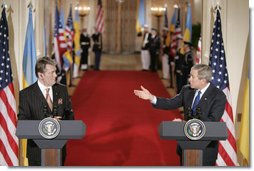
{"x": 67, "y": 58}
{"x": 77, "y": 49}
{"x": 29, "y": 77}
{"x": 173, "y": 20}
{"x": 141, "y": 15}
{"x": 188, "y": 26}
{"x": 29, "y": 56}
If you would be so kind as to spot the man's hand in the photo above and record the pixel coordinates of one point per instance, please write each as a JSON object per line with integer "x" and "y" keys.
{"x": 177, "y": 120}
{"x": 58, "y": 117}
{"x": 143, "y": 94}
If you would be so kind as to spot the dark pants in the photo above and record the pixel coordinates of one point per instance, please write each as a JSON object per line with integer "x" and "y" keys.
{"x": 154, "y": 57}
{"x": 97, "y": 60}
{"x": 84, "y": 56}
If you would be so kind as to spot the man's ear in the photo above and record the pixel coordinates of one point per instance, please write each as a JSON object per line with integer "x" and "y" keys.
{"x": 204, "y": 81}
{"x": 40, "y": 75}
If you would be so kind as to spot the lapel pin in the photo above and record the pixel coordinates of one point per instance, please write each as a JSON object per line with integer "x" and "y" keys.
{"x": 60, "y": 101}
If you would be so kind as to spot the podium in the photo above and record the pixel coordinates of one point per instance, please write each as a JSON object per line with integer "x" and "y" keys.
{"x": 51, "y": 148}
{"x": 192, "y": 154}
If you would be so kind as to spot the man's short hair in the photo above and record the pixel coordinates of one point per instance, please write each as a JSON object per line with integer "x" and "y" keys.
{"x": 41, "y": 64}
{"x": 204, "y": 72}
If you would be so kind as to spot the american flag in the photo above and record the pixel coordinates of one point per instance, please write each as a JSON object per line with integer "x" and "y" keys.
{"x": 177, "y": 34}
{"x": 8, "y": 113}
{"x": 99, "y": 23}
{"x": 69, "y": 30}
{"x": 59, "y": 40}
{"x": 199, "y": 51}
{"x": 227, "y": 149}
{"x": 69, "y": 35}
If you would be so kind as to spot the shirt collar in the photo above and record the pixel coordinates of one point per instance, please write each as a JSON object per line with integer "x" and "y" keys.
{"x": 204, "y": 89}
{"x": 43, "y": 87}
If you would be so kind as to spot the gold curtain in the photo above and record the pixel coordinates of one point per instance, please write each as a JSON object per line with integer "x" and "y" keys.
{"x": 120, "y": 26}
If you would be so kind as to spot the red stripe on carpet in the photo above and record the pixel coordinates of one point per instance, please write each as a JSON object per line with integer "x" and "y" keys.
{"x": 122, "y": 130}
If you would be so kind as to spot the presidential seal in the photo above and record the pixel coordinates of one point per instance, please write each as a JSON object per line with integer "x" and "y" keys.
{"x": 194, "y": 129}
{"x": 49, "y": 128}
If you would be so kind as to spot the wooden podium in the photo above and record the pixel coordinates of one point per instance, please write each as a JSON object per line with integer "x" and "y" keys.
{"x": 51, "y": 148}
{"x": 192, "y": 149}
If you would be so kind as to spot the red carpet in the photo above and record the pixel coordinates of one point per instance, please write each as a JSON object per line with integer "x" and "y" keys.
{"x": 122, "y": 130}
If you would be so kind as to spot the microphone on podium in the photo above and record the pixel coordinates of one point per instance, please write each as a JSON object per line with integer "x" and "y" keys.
{"x": 189, "y": 114}
{"x": 198, "y": 113}
{"x": 45, "y": 111}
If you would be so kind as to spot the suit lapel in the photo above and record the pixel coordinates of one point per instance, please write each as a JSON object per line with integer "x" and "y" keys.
{"x": 38, "y": 93}
{"x": 55, "y": 95}
{"x": 190, "y": 97}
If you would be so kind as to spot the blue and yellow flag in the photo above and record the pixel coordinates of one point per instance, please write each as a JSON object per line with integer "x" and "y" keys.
{"x": 29, "y": 77}
{"x": 141, "y": 15}
{"x": 173, "y": 20}
{"x": 188, "y": 26}
{"x": 29, "y": 57}
{"x": 67, "y": 60}
{"x": 77, "y": 50}
{"x": 166, "y": 25}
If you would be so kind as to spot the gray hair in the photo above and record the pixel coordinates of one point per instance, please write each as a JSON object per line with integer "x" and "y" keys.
{"x": 204, "y": 71}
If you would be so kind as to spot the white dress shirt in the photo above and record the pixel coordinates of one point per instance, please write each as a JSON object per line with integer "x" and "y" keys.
{"x": 43, "y": 90}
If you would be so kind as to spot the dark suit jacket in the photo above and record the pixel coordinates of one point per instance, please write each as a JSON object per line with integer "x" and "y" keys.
{"x": 97, "y": 42}
{"x": 212, "y": 106}
{"x": 33, "y": 106}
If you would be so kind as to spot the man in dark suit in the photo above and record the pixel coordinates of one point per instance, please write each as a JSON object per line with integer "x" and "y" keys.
{"x": 188, "y": 61}
{"x": 44, "y": 98}
{"x": 211, "y": 104}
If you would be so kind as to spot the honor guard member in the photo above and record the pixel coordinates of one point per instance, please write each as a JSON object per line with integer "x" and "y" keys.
{"x": 154, "y": 49}
{"x": 85, "y": 43}
{"x": 165, "y": 54}
{"x": 97, "y": 48}
{"x": 188, "y": 61}
{"x": 179, "y": 61}
{"x": 145, "y": 54}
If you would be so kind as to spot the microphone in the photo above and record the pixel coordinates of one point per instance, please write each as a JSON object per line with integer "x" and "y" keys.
{"x": 55, "y": 110}
{"x": 45, "y": 111}
{"x": 198, "y": 113}
{"x": 189, "y": 114}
